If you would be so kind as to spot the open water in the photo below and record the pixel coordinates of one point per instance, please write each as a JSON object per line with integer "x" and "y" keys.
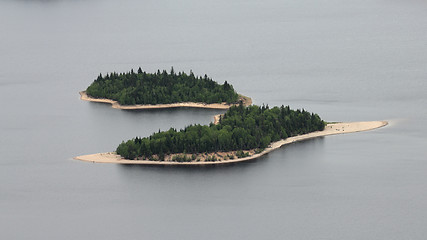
{"x": 348, "y": 60}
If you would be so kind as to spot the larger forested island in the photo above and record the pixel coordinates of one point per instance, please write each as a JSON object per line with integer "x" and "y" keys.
{"x": 240, "y": 132}
{"x": 162, "y": 87}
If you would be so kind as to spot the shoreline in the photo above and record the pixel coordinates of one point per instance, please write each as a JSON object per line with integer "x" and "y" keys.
{"x": 330, "y": 129}
{"x": 114, "y": 104}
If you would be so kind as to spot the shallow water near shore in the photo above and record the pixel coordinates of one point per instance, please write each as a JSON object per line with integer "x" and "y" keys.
{"x": 352, "y": 61}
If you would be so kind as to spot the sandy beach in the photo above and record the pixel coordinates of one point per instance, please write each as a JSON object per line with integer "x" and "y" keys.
{"x": 83, "y": 96}
{"x": 330, "y": 129}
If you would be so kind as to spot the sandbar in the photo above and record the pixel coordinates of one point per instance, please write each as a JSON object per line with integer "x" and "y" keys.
{"x": 114, "y": 104}
{"x": 330, "y": 129}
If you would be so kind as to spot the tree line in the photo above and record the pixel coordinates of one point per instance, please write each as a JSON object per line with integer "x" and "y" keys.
{"x": 240, "y": 128}
{"x": 160, "y": 88}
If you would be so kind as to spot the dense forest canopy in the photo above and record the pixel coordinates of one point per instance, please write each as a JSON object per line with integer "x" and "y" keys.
{"x": 240, "y": 128}
{"x": 160, "y": 88}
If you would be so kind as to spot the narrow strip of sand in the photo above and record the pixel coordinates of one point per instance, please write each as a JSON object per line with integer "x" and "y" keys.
{"x": 330, "y": 129}
{"x": 83, "y": 96}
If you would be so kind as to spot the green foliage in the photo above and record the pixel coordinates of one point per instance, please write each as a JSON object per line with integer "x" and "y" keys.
{"x": 259, "y": 150}
{"x": 241, "y": 128}
{"x": 211, "y": 159}
{"x": 160, "y": 88}
{"x": 241, "y": 154}
{"x": 181, "y": 158}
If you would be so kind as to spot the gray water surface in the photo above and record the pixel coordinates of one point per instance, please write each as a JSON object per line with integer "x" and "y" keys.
{"x": 346, "y": 60}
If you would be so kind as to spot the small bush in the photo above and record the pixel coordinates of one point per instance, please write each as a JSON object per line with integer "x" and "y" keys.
{"x": 241, "y": 154}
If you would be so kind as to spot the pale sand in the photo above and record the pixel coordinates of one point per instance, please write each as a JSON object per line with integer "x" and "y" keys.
{"x": 246, "y": 101}
{"x": 330, "y": 129}
{"x": 216, "y": 119}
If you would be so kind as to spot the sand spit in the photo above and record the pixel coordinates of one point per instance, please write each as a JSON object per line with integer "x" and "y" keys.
{"x": 330, "y": 129}
{"x": 83, "y": 96}
{"x": 216, "y": 119}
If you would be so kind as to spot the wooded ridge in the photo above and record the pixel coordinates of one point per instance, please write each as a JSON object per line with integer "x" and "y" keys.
{"x": 143, "y": 88}
{"x": 240, "y": 128}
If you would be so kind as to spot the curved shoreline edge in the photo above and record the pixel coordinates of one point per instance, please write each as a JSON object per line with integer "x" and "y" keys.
{"x": 330, "y": 129}
{"x": 114, "y": 104}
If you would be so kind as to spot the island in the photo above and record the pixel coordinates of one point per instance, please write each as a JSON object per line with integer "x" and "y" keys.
{"x": 240, "y": 134}
{"x": 142, "y": 90}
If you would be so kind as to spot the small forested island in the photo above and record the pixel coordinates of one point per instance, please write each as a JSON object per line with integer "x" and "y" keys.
{"x": 240, "y": 132}
{"x": 141, "y": 90}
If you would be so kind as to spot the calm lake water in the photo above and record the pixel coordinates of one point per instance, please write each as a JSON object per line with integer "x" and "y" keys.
{"x": 346, "y": 60}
